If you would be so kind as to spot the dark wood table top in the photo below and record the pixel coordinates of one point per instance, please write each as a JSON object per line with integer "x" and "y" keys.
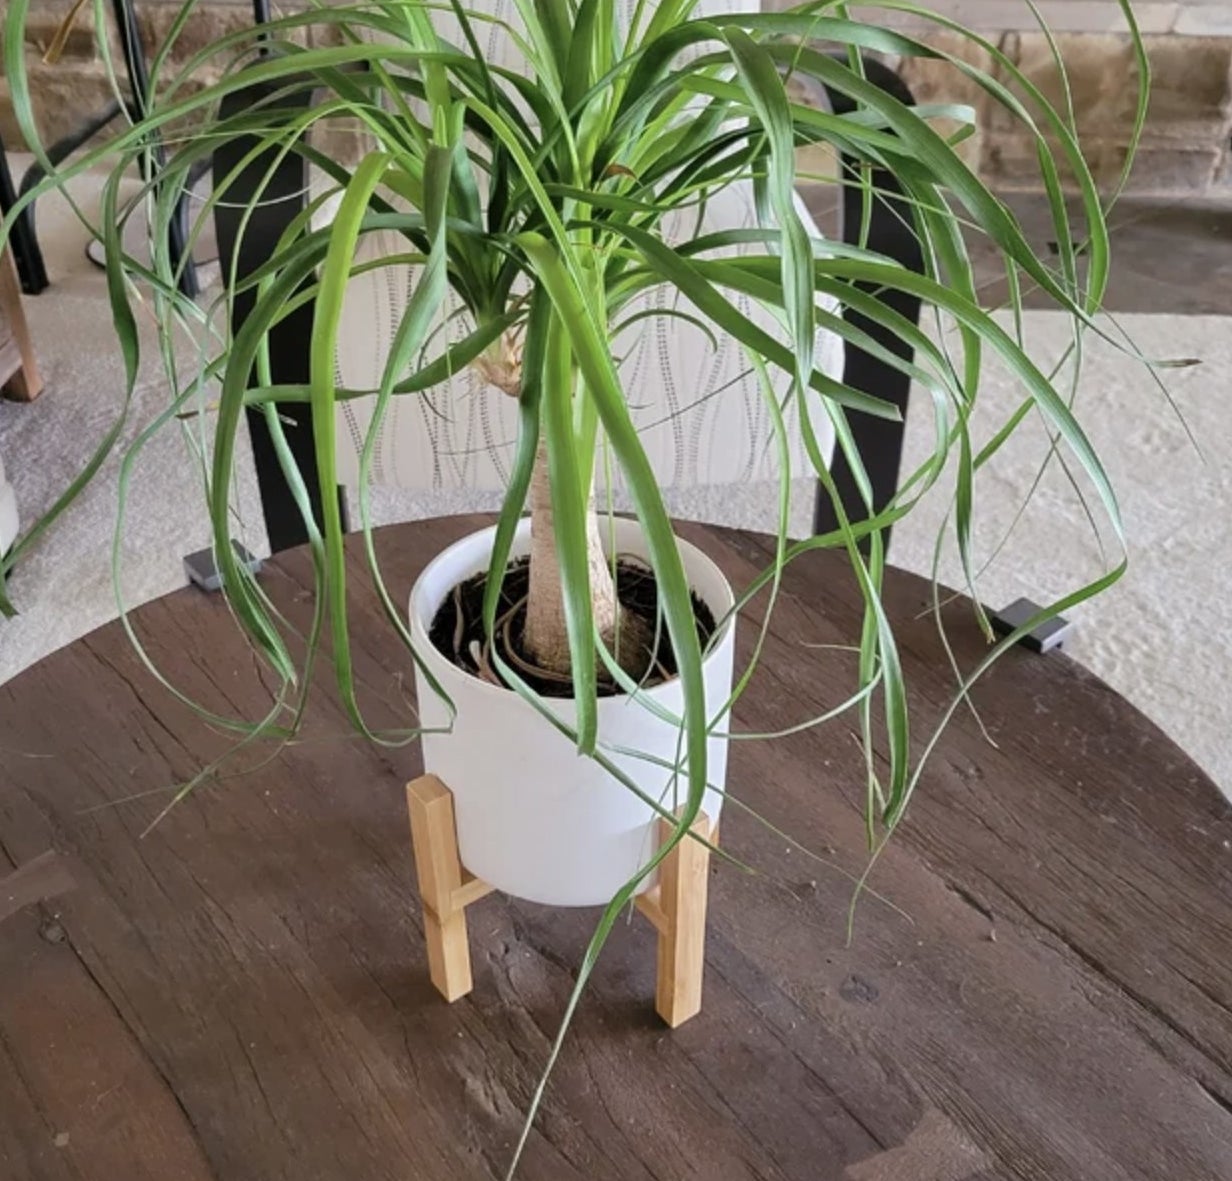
{"x": 243, "y": 994}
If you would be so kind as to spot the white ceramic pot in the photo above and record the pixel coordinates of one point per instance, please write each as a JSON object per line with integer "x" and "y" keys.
{"x": 535, "y": 819}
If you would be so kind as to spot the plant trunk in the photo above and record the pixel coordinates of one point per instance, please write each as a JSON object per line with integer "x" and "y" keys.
{"x": 546, "y": 635}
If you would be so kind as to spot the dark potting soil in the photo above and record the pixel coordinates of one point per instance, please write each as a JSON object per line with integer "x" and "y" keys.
{"x": 457, "y": 631}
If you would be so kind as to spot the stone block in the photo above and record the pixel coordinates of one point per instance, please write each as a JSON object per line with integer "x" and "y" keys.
{"x": 321, "y": 36}
{"x": 1101, "y": 73}
{"x": 43, "y": 23}
{"x": 938, "y": 80}
{"x": 1099, "y": 16}
{"x": 10, "y": 133}
{"x": 1175, "y": 170}
{"x": 207, "y": 23}
{"x": 1191, "y": 98}
{"x": 1010, "y": 161}
{"x": 61, "y": 98}
{"x": 816, "y": 163}
{"x": 999, "y": 16}
{"x": 344, "y": 139}
{"x": 1204, "y": 19}
{"x": 1223, "y": 173}
{"x": 64, "y": 98}
{"x": 1191, "y": 88}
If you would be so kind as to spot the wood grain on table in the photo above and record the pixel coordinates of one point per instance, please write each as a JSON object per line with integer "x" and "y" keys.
{"x": 242, "y": 993}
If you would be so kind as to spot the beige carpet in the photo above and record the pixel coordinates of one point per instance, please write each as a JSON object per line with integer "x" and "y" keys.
{"x": 63, "y": 588}
{"x": 1163, "y": 637}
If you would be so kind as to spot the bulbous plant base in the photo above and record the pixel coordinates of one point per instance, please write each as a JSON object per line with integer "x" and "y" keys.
{"x": 676, "y": 906}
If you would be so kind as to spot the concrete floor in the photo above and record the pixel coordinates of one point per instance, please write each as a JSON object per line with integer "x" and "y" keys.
{"x": 1168, "y": 257}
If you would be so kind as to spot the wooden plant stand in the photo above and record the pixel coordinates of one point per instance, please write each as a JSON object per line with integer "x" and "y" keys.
{"x": 676, "y": 906}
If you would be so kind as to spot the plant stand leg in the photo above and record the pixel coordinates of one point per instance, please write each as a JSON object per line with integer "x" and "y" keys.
{"x": 445, "y": 888}
{"x": 677, "y": 908}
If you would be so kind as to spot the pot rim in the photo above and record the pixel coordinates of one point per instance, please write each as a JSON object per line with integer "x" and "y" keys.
{"x": 693, "y": 556}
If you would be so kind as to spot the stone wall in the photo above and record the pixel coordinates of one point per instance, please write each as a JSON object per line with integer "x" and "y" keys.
{"x": 1185, "y": 145}
{"x": 67, "y": 90}
{"x": 1185, "y": 148}
{"x": 1185, "y": 18}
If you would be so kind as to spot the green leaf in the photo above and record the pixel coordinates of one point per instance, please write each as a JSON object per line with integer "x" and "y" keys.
{"x": 690, "y": 279}
{"x": 594, "y": 360}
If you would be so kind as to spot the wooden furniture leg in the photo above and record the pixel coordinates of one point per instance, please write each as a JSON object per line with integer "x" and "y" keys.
{"x": 19, "y": 375}
{"x": 676, "y": 906}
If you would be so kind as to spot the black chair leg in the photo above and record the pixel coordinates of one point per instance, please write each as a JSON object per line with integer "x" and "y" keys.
{"x": 281, "y": 200}
{"x": 23, "y": 240}
{"x": 139, "y": 81}
{"x": 878, "y": 441}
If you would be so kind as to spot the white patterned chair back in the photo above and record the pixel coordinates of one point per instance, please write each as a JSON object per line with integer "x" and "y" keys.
{"x": 700, "y": 411}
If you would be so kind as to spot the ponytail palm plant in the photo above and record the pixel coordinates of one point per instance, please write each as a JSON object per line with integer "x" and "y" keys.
{"x": 537, "y": 195}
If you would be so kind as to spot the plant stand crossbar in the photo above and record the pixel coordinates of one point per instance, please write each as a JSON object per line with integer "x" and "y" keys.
{"x": 676, "y": 906}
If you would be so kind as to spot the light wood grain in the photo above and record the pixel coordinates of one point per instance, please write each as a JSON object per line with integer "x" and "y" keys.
{"x": 676, "y": 908}
{"x": 439, "y": 871}
{"x": 19, "y": 372}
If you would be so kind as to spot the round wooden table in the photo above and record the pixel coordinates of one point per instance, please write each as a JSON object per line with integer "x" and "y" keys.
{"x": 243, "y": 994}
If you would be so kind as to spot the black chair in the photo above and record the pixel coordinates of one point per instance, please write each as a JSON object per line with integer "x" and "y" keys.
{"x": 880, "y": 442}
{"x": 28, "y": 256}
{"x": 23, "y": 240}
